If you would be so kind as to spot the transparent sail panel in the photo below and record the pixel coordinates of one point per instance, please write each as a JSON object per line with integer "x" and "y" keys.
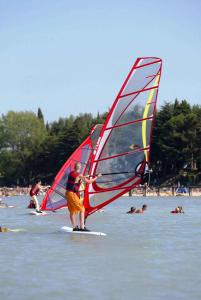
{"x": 99, "y": 198}
{"x": 96, "y": 199}
{"x": 124, "y": 165}
{"x": 147, "y": 61}
{"x": 141, "y": 78}
{"x": 95, "y": 134}
{"x": 55, "y": 201}
{"x": 131, "y": 108}
{"x": 85, "y": 152}
{"x": 126, "y": 138}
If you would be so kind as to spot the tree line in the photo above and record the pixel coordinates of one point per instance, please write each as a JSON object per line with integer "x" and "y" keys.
{"x": 31, "y": 148}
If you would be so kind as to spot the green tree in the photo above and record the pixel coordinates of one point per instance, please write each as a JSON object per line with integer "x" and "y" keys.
{"x": 40, "y": 115}
{"x": 21, "y": 133}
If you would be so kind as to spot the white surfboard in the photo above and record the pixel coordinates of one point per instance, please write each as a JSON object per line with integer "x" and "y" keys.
{"x": 35, "y": 213}
{"x": 70, "y": 230}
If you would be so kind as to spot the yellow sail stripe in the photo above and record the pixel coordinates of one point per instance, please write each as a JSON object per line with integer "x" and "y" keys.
{"x": 145, "y": 115}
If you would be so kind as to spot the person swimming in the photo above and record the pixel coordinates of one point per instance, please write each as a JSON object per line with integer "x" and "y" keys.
{"x": 31, "y": 204}
{"x": 178, "y": 210}
{"x": 141, "y": 210}
{"x": 4, "y": 229}
{"x": 132, "y": 210}
{"x": 3, "y": 204}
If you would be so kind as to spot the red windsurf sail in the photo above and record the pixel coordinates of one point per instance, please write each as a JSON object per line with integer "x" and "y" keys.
{"x": 55, "y": 197}
{"x": 123, "y": 149}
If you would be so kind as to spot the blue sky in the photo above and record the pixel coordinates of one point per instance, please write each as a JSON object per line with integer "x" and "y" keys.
{"x": 69, "y": 57}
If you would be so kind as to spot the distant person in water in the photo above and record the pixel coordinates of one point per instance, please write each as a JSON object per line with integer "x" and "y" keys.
{"x": 132, "y": 210}
{"x": 141, "y": 210}
{"x": 31, "y": 204}
{"x": 2, "y": 204}
{"x": 35, "y": 189}
{"x": 178, "y": 210}
{"x": 74, "y": 202}
{"x": 4, "y": 229}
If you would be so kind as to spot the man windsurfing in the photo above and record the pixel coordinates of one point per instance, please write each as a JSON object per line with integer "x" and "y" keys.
{"x": 74, "y": 202}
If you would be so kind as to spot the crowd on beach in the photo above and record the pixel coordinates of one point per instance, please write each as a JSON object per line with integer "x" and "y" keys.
{"x": 16, "y": 191}
{"x": 145, "y": 190}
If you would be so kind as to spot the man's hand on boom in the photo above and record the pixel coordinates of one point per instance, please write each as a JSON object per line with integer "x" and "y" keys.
{"x": 87, "y": 178}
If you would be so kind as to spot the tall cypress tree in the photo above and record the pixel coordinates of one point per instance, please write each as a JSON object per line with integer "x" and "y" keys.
{"x": 40, "y": 115}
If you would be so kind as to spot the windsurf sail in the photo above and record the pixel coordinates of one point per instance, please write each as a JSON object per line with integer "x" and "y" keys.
{"x": 123, "y": 151}
{"x": 55, "y": 197}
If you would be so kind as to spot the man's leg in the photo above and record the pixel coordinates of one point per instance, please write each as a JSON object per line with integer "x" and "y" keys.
{"x": 82, "y": 219}
{"x": 73, "y": 220}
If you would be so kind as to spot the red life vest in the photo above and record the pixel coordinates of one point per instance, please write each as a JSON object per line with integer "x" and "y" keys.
{"x": 71, "y": 184}
{"x": 32, "y": 192}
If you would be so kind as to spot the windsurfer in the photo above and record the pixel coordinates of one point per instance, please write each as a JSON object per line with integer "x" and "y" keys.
{"x": 74, "y": 203}
{"x": 35, "y": 189}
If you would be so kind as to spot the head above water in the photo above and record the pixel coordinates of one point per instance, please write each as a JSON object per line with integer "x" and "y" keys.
{"x": 144, "y": 206}
{"x": 78, "y": 167}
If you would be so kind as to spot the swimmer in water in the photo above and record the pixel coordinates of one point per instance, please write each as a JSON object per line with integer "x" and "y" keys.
{"x": 2, "y": 204}
{"x": 178, "y": 210}
{"x": 141, "y": 210}
{"x": 4, "y": 229}
{"x": 132, "y": 210}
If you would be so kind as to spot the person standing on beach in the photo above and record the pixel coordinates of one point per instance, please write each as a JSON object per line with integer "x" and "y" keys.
{"x": 74, "y": 202}
{"x": 35, "y": 189}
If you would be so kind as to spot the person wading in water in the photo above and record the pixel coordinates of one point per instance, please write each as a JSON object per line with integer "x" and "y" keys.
{"x": 74, "y": 203}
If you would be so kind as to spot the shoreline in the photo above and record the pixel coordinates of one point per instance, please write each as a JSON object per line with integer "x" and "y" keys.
{"x": 136, "y": 192}
{"x": 164, "y": 192}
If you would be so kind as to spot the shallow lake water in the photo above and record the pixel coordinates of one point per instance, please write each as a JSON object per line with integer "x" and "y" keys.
{"x": 151, "y": 256}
